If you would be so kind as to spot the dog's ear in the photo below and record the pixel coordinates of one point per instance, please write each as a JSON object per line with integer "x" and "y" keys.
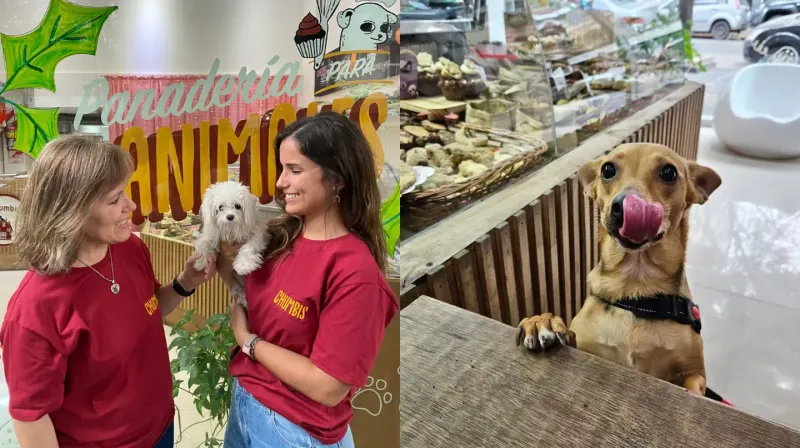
{"x": 702, "y": 182}
{"x": 343, "y": 19}
{"x": 250, "y": 209}
{"x": 207, "y": 207}
{"x": 587, "y": 176}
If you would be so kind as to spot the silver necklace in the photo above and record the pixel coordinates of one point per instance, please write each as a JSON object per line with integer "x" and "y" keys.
{"x": 112, "y": 280}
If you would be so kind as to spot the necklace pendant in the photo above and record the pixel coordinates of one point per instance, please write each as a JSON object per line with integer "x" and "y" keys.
{"x": 115, "y": 288}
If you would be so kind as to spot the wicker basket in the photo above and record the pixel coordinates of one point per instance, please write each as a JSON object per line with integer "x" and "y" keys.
{"x": 424, "y": 208}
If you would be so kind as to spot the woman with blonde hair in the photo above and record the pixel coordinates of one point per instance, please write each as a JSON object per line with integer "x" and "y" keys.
{"x": 318, "y": 307}
{"x": 84, "y": 348}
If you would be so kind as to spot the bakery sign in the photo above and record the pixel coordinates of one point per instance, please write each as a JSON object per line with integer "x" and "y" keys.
{"x": 9, "y": 206}
{"x": 366, "y": 52}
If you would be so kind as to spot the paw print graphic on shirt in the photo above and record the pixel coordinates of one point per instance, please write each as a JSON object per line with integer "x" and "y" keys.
{"x": 372, "y": 397}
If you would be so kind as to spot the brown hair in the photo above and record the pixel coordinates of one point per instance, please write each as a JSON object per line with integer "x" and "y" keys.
{"x": 335, "y": 143}
{"x": 70, "y": 174}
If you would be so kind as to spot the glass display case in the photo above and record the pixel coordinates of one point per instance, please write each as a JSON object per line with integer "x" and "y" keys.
{"x": 494, "y": 90}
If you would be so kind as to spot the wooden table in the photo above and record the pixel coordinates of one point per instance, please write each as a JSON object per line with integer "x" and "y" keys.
{"x": 464, "y": 383}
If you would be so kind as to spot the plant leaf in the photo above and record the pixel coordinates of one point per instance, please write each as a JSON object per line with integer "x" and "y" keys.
{"x": 207, "y": 342}
{"x": 216, "y": 319}
{"x": 179, "y": 342}
{"x": 186, "y": 356}
{"x": 35, "y": 127}
{"x": 390, "y": 218}
{"x": 67, "y": 29}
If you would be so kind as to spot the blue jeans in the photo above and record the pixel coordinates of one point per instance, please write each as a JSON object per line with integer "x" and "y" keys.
{"x": 167, "y": 439}
{"x": 253, "y": 425}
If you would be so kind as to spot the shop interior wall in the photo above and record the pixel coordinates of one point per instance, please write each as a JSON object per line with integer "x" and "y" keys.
{"x": 171, "y": 37}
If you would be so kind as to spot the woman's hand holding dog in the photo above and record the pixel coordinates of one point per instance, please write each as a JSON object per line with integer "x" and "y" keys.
{"x": 241, "y": 330}
{"x": 191, "y": 278}
{"x": 227, "y": 254}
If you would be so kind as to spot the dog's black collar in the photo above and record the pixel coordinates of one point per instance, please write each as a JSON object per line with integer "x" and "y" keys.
{"x": 661, "y": 306}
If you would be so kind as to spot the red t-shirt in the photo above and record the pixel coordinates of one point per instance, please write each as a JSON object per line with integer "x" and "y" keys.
{"x": 326, "y": 300}
{"x": 95, "y": 362}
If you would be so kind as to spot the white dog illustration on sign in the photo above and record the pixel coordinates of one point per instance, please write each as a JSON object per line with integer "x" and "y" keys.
{"x": 365, "y": 27}
{"x": 230, "y": 214}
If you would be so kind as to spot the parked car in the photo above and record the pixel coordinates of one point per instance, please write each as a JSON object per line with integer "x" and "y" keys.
{"x": 719, "y": 17}
{"x": 772, "y": 9}
{"x": 776, "y": 40}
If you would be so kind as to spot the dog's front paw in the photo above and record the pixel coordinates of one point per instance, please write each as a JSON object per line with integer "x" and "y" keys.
{"x": 241, "y": 300}
{"x": 237, "y": 292}
{"x": 200, "y": 264}
{"x": 244, "y": 265}
{"x": 543, "y": 332}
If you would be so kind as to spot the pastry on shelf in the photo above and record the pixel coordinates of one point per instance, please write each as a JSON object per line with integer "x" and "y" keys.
{"x": 468, "y": 168}
{"x": 408, "y": 176}
{"x": 428, "y": 74}
{"x": 439, "y": 158}
{"x": 438, "y": 179}
{"x": 417, "y": 156}
{"x": 460, "y": 83}
{"x": 460, "y": 153}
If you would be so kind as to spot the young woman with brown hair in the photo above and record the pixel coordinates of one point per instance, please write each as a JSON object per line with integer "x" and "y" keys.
{"x": 84, "y": 349}
{"x": 318, "y": 307}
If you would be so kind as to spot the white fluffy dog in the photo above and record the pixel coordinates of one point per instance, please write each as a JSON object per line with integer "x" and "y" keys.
{"x": 230, "y": 214}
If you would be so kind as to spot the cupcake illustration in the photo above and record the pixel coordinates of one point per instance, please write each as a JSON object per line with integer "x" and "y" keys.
{"x": 310, "y": 37}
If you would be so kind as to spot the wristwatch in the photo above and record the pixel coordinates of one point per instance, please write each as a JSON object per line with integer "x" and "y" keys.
{"x": 179, "y": 289}
{"x": 249, "y": 346}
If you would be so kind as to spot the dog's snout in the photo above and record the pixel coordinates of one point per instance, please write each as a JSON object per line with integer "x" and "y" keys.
{"x": 617, "y": 215}
{"x": 229, "y": 217}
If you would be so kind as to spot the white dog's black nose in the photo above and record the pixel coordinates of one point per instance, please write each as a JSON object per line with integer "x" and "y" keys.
{"x": 229, "y": 217}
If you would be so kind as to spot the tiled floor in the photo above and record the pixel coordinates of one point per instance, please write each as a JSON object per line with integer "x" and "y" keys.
{"x": 744, "y": 269}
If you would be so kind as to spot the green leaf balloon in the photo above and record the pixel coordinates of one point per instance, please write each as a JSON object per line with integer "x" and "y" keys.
{"x": 390, "y": 217}
{"x": 67, "y": 29}
{"x": 35, "y": 127}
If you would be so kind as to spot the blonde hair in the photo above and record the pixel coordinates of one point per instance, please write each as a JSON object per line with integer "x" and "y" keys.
{"x": 69, "y": 176}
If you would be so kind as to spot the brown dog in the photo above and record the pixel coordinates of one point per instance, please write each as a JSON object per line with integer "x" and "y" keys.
{"x": 644, "y": 192}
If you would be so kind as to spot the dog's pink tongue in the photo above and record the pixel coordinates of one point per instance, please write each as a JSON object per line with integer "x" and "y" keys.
{"x": 641, "y": 220}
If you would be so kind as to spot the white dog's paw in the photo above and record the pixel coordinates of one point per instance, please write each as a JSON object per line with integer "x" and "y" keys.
{"x": 200, "y": 264}
{"x": 241, "y": 300}
{"x": 244, "y": 265}
{"x": 237, "y": 292}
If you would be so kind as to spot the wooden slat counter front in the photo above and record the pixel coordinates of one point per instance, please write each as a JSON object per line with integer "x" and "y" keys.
{"x": 465, "y": 384}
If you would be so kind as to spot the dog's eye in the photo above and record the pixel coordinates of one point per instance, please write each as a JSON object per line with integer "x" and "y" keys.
{"x": 668, "y": 173}
{"x": 237, "y": 206}
{"x": 368, "y": 27}
{"x": 608, "y": 171}
{"x": 220, "y": 208}
{"x": 386, "y": 28}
